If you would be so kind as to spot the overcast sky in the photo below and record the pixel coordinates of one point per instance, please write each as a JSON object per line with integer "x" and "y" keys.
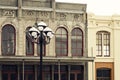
{"x": 99, "y": 7}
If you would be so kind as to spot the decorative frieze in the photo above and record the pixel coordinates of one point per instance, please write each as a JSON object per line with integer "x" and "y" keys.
{"x": 65, "y": 18}
{"x": 29, "y": 14}
{"x": 44, "y": 14}
{"x": 36, "y": 14}
{"x": 10, "y": 13}
{"x": 61, "y": 16}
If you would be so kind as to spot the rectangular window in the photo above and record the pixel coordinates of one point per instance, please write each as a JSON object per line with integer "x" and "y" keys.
{"x": 103, "y": 44}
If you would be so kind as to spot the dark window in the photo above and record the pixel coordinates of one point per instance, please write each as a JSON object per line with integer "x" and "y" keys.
{"x": 63, "y": 72}
{"x": 104, "y": 74}
{"x": 46, "y": 72}
{"x": 77, "y": 42}
{"x": 29, "y": 73}
{"x": 29, "y": 44}
{"x": 103, "y": 43}
{"x": 61, "y": 39}
{"x": 8, "y": 40}
{"x": 77, "y": 72}
{"x": 9, "y": 72}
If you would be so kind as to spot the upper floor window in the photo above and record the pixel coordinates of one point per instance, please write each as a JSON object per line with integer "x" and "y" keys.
{"x": 29, "y": 44}
{"x": 103, "y": 74}
{"x": 103, "y": 43}
{"x": 8, "y": 40}
{"x": 77, "y": 42}
{"x": 61, "y": 40}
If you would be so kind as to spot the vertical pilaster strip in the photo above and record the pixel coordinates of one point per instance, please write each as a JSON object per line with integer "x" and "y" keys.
{"x": 53, "y": 7}
{"x": 19, "y": 9}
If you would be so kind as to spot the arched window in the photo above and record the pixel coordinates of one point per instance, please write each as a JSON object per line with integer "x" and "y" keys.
{"x": 77, "y": 42}
{"x": 8, "y": 40}
{"x": 103, "y": 43}
{"x": 61, "y": 40}
{"x": 29, "y": 44}
{"x": 103, "y": 74}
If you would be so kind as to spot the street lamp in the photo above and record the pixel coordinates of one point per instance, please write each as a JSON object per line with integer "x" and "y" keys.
{"x": 41, "y": 34}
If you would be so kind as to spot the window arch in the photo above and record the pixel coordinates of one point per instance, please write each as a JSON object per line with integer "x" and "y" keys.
{"x": 8, "y": 40}
{"x": 103, "y": 43}
{"x": 29, "y": 44}
{"x": 61, "y": 40}
{"x": 77, "y": 42}
{"x": 103, "y": 74}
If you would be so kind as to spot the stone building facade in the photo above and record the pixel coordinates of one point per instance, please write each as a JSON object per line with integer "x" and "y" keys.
{"x": 65, "y": 58}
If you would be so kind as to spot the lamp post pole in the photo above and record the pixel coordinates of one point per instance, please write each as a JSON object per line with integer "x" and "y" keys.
{"x": 41, "y": 53}
{"x": 43, "y": 34}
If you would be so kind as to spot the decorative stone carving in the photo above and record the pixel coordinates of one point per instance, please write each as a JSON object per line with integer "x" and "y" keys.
{"x": 29, "y": 14}
{"x": 78, "y": 17}
{"x": 11, "y": 13}
{"x": 37, "y": 14}
{"x": 44, "y": 14}
{"x": 61, "y": 16}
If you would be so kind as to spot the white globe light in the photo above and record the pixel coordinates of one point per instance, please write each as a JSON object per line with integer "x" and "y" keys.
{"x": 34, "y": 34}
{"x": 40, "y": 28}
{"x": 49, "y": 34}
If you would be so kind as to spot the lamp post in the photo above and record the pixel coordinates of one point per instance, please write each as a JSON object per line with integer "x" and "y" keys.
{"x": 41, "y": 34}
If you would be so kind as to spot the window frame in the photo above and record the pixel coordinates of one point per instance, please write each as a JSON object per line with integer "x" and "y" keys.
{"x": 8, "y": 39}
{"x": 103, "y": 39}
{"x": 102, "y": 75}
{"x": 76, "y": 34}
{"x": 59, "y": 46}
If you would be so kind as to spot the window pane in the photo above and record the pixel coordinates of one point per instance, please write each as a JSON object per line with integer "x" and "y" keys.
{"x": 72, "y": 76}
{"x": 79, "y": 76}
{"x": 64, "y": 76}
{"x": 13, "y": 76}
{"x": 5, "y": 76}
{"x": 106, "y": 73}
{"x": 55, "y": 76}
{"x": 47, "y": 76}
{"x": 103, "y": 74}
{"x": 29, "y": 47}
{"x": 74, "y": 45}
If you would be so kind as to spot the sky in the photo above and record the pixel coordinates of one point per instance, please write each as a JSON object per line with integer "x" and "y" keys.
{"x": 99, "y": 7}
